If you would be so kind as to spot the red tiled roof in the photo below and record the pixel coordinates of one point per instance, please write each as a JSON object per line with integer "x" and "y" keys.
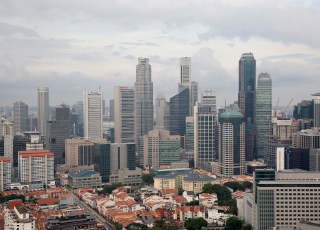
{"x": 5, "y": 159}
{"x": 48, "y": 201}
{"x": 35, "y": 153}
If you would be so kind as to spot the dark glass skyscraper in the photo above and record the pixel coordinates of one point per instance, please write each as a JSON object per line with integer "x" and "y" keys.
{"x": 179, "y": 110}
{"x": 247, "y": 99}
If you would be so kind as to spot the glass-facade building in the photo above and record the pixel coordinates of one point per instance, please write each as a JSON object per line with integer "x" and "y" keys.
{"x": 247, "y": 99}
{"x": 179, "y": 110}
{"x": 263, "y": 110}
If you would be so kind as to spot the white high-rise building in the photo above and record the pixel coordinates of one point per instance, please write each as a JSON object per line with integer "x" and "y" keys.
{"x": 18, "y": 219}
{"x": 143, "y": 98}
{"x": 185, "y": 70}
{"x": 36, "y": 166}
{"x": 43, "y": 109}
{"x": 124, "y": 114}
{"x": 92, "y": 114}
{"x": 20, "y": 116}
{"x": 316, "y": 109}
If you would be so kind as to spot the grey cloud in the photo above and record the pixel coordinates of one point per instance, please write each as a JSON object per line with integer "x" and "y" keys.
{"x": 12, "y": 30}
{"x": 289, "y": 56}
{"x": 92, "y": 56}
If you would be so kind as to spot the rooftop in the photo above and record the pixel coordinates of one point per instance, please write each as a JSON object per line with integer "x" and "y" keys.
{"x": 198, "y": 177}
{"x": 231, "y": 114}
{"x": 84, "y": 173}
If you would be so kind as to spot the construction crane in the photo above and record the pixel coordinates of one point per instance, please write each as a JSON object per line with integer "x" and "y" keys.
{"x": 286, "y": 108}
{"x": 276, "y": 107}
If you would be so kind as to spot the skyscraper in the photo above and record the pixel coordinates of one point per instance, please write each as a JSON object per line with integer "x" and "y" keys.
{"x": 264, "y": 110}
{"x": 179, "y": 110}
{"x": 43, "y": 109}
{"x": 162, "y": 112}
{"x": 185, "y": 82}
{"x": 316, "y": 109}
{"x": 124, "y": 114}
{"x": 143, "y": 98}
{"x": 247, "y": 99}
{"x": 231, "y": 143}
{"x": 92, "y": 114}
{"x": 20, "y": 116}
{"x": 58, "y": 131}
{"x": 205, "y": 130}
{"x": 111, "y": 109}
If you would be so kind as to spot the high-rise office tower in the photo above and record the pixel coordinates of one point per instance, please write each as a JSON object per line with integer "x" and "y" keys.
{"x": 179, "y": 110}
{"x": 20, "y": 116}
{"x": 231, "y": 143}
{"x": 92, "y": 114}
{"x": 264, "y": 110}
{"x": 162, "y": 112}
{"x": 316, "y": 109}
{"x": 185, "y": 82}
{"x": 124, "y": 114}
{"x": 160, "y": 148}
{"x": 79, "y": 152}
{"x": 58, "y": 131}
{"x": 111, "y": 109}
{"x": 143, "y": 98}
{"x": 205, "y": 130}
{"x": 247, "y": 100}
{"x": 189, "y": 140}
{"x": 43, "y": 109}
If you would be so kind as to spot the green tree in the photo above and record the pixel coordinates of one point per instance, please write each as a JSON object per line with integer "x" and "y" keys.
{"x": 233, "y": 223}
{"x": 137, "y": 226}
{"x": 247, "y": 184}
{"x": 117, "y": 226}
{"x": 180, "y": 191}
{"x": 195, "y": 224}
{"x": 107, "y": 189}
{"x": 246, "y": 227}
{"x": 148, "y": 178}
{"x": 234, "y": 186}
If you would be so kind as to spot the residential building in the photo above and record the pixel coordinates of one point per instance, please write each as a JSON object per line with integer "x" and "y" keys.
{"x": 263, "y": 110}
{"x": 162, "y": 112}
{"x": 205, "y": 130}
{"x": 43, "y": 110}
{"x": 143, "y": 98}
{"x": 285, "y": 200}
{"x": 20, "y": 117}
{"x": 231, "y": 144}
{"x": 58, "y": 131}
{"x": 160, "y": 148}
{"x": 179, "y": 110}
{"x": 316, "y": 109}
{"x": 5, "y": 172}
{"x": 124, "y": 114}
{"x": 86, "y": 178}
{"x": 36, "y": 166}
{"x": 92, "y": 113}
{"x": 247, "y": 100}
{"x": 18, "y": 219}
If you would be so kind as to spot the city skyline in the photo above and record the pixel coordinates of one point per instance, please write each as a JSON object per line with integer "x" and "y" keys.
{"x": 292, "y": 59}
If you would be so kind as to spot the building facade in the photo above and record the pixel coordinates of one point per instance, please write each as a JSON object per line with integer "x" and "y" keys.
{"x": 5, "y": 173}
{"x": 36, "y": 166}
{"x": 160, "y": 148}
{"x": 43, "y": 109}
{"x": 162, "y": 112}
{"x": 58, "y": 131}
{"x": 92, "y": 114}
{"x": 231, "y": 144}
{"x": 247, "y": 100}
{"x": 316, "y": 109}
{"x": 179, "y": 110}
{"x": 20, "y": 117}
{"x": 263, "y": 110}
{"x": 124, "y": 114}
{"x": 143, "y": 98}
{"x": 205, "y": 130}
{"x": 86, "y": 178}
{"x": 79, "y": 152}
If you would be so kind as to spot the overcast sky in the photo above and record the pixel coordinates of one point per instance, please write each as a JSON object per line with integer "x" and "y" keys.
{"x": 69, "y": 45}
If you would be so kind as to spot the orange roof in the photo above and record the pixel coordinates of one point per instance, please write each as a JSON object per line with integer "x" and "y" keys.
{"x": 179, "y": 199}
{"x": 35, "y": 153}
{"x": 169, "y": 191}
{"x": 48, "y": 201}
{"x": 5, "y": 159}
